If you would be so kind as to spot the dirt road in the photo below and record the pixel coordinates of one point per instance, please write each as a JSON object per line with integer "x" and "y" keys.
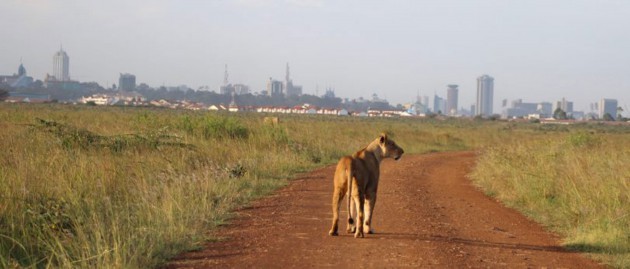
{"x": 428, "y": 215}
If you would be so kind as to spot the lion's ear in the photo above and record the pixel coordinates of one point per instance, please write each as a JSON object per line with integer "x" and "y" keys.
{"x": 383, "y": 138}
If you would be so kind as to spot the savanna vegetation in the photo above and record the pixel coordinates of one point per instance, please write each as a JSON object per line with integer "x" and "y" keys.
{"x": 576, "y": 183}
{"x": 116, "y": 187}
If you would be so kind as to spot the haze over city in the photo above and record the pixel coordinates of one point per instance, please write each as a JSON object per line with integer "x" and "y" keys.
{"x": 535, "y": 50}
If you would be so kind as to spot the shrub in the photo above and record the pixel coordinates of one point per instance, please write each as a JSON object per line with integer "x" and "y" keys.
{"x": 224, "y": 127}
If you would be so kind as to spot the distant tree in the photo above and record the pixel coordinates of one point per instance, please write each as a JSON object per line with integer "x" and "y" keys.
{"x": 92, "y": 86}
{"x": 3, "y": 94}
{"x": 143, "y": 87}
{"x": 608, "y": 117}
{"x": 559, "y": 114}
{"x": 495, "y": 117}
{"x": 619, "y": 117}
{"x": 38, "y": 84}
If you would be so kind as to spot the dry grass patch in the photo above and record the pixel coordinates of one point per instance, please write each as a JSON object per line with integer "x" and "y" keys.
{"x": 577, "y": 183}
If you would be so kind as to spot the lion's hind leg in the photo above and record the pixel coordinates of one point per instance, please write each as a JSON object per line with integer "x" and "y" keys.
{"x": 351, "y": 228}
{"x": 359, "y": 200}
{"x": 336, "y": 202}
{"x": 370, "y": 202}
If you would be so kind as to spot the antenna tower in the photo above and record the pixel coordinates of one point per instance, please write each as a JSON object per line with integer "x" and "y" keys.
{"x": 288, "y": 78}
{"x": 225, "y": 76}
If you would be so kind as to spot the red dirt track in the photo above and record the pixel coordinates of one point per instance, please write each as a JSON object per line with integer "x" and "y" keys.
{"x": 428, "y": 215}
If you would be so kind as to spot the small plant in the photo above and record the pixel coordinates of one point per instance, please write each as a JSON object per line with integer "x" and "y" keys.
{"x": 186, "y": 123}
{"x": 236, "y": 171}
{"x": 51, "y": 214}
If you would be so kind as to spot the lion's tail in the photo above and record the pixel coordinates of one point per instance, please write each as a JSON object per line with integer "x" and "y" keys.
{"x": 349, "y": 173}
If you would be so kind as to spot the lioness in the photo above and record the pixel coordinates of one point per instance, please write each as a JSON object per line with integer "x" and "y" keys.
{"x": 358, "y": 175}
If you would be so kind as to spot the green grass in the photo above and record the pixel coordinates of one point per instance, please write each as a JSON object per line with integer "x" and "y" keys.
{"x": 115, "y": 187}
{"x": 108, "y": 187}
{"x": 577, "y": 184}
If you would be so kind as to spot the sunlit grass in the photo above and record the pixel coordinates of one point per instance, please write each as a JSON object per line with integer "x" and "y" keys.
{"x": 106, "y": 187}
{"x": 114, "y": 187}
{"x": 577, "y": 184}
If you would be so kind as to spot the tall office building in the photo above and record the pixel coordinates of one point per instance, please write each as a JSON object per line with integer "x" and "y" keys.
{"x": 127, "y": 82}
{"x": 425, "y": 101}
{"x": 241, "y": 89}
{"x": 61, "y": 66}
{"x": 274, "y": 87}
{"x": 545, "y": 108}
{"x": 485, "y": 92}
{"x": 451, "y": 99}
{"x": 608, "y": 106}
{"x": 439, "y": 105}
{"x": 565, "y": 105}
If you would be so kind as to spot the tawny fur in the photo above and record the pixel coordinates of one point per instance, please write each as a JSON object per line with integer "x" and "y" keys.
{"x": 358, "y": 175}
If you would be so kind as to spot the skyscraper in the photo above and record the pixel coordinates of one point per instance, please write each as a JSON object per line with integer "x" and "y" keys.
{"x": 451, "y": 99}
{"x": 274, "y": 87}
{"x": 485, "y": 92}
{"x": 608, "y": 106}
{"x": 61, "y": 66}
{"x": 127, "y": 82}
{"x": 439, "y": 105}
{"x": 565, "y": 105}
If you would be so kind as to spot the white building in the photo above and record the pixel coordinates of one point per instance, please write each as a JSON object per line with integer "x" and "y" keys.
{"x": 126, "y": 98}
{"x": 451, "y": 100}
{"x": 485, "y": 92}
{"x": 61, "y": 66}
{"x": 98, "y": 99}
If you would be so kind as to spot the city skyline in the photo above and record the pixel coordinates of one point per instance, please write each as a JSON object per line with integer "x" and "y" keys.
{"x": 448, "y": 106}
{"x": 537, "y": 51}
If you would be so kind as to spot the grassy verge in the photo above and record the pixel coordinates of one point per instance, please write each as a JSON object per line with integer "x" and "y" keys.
{"x": 107, "y": 187}
{"x": 577, "y": 184}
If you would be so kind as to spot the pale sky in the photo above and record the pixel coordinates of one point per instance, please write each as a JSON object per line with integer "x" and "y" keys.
{"x": 535, "y": 50}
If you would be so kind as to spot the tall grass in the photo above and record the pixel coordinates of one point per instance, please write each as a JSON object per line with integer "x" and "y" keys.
{"x": 114, "y": 187}
{"x": 576, "y": 183}
{"x": 106, "y": 187}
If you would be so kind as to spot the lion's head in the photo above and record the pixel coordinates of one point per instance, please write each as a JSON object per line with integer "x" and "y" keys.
{"x": 389, "y": 148}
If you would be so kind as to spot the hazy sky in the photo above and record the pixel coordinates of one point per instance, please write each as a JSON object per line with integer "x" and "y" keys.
{"x": 535, "y": 50}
